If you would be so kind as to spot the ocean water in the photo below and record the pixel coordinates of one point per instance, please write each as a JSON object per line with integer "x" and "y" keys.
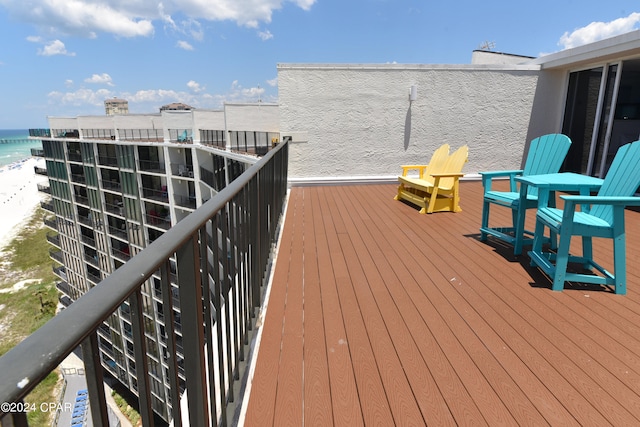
{"x": 13, "y": 148}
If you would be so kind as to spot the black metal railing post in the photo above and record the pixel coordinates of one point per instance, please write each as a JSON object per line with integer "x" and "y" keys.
{"x": 217, "y": 305}
{"x": 140, "y": 355}
{"x": 191, "y": 309}
{"x": 95, "y": 380}
{"x": 172, "y": 361}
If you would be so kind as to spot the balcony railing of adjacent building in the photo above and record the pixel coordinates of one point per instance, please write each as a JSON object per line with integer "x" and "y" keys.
{"x": 44, "y": 188}
{"x": 152, "y": 166}
{"x": 141, "y": 135}
{"x": 44, "y": 133}
{"x": 253, "y": 142}
{"x": 243, "y": 220}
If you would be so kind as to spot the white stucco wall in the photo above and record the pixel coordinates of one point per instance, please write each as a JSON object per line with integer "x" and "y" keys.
{"x": 252, "y": 117}
{"x": 359, "y": 121}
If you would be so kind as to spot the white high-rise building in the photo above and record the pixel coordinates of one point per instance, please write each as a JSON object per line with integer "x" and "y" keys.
{"x": 119, "y": 182}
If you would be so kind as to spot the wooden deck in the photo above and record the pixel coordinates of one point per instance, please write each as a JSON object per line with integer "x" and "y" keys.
{"x": 381, "y": 316}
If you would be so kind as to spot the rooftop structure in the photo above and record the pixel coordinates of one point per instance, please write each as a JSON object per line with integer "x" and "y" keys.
{"x": 116, "y": 106}
{"x": 176, "y": 106}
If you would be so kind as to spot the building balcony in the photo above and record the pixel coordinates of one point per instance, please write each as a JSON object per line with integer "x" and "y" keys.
{"x": 120, "y": 233}
{"x": 185, "y": 201}
{"x": 408, "y": 319}
{"x": 152, "y": 166}
{"x": 37, "y": 152}
{"x": 51, "y": 223}
{"x": 40, "y": 170}
{"x": 40, "y": 133}
{"x": 411, "y": 319}
{"x": 60, "y": 271}
{"x": 54, "y": 239}
{"x": 88, "y": 240}
{"x": 115, "y": 208}
{"x": 64, "y": 288}
{"x": 111, "y": 185}
{"x": 43, "y": 188}
{"x": 48, "y": 206}
{"x": 94, "y": 277}
{"x": 56, "y": 255}
{"x": 64, "y": 300}
{"x": 82, "y": 199}
{"x": 182, "y": 170}
{"x": 92, "y": 258}
{"x": 77, "y": 178}
{"x": 105, "y": 160}
{"x": 156, "y": 194}
{"x": 155, "y": 220}
{"x": 75, "y": 157}
{"x": 121, "y": 254}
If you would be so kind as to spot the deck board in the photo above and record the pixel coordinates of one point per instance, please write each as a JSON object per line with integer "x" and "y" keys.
{"x": 380, "y": 315}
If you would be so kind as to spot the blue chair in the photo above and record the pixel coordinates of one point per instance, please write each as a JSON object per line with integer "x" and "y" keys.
{"x": 600, "y": 216}
{"x": 546, "y": 154}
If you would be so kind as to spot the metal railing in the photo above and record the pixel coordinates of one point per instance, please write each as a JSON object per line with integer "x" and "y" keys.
{"x": 222, "y": 254}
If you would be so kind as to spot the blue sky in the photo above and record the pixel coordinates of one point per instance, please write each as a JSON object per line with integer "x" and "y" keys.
{"x": 65, "y": 57}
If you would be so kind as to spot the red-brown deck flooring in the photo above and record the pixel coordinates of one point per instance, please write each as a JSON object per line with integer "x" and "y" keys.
{"x": 381, "y": 316}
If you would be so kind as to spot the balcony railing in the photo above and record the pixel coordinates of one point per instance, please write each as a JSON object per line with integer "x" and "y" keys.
{"x": 53, "y": 238}
{"x": 246, "y": 215}
{"x": 75, "y": 177}
{"x": 155, "y": 194}
{"x": 111, "y": 185}
{"x": 48, "y": 206}
{"x": 51, "y": 223}
{"x": 56, "y": 254}
{"x": 157, "y": 221}
{"x": 185, "y": 201}
{"x": 152, "y": 166}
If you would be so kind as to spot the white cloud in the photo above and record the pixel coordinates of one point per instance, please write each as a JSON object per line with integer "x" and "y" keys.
{"x": 89, "y": 101}
{"x": 165, "y": 17}
{"x": 68, "y": 83}
{"x": 273, "y": 82}
{"x": 598, "y": 31}
{"x": 193, "y": 28}
{"x": 34, "y": 39}
{"x": 136, "y": 18}
{"x": 195, "y": 86}
{"x": 55, "y": 47}
{"x": 239, "y": 93}
{"x": 184, "y": 45}
{"x": 265, "y": 35}
{"x": 81, "y": 97}
{"x": 103, "y": 78}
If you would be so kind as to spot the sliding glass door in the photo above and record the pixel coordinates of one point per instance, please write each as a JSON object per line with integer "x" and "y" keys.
{"x": 601, "y": 114}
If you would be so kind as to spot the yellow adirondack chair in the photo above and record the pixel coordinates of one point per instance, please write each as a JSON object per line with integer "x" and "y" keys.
{"x": 438, "y": 190}
{"x": 438, "y": 160}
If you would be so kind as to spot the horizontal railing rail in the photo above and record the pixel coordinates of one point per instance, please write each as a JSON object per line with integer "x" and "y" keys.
{"x": 222, "y": 255}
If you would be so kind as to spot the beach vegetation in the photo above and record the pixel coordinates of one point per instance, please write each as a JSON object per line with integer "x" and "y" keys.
{"x": 28, "y": 299}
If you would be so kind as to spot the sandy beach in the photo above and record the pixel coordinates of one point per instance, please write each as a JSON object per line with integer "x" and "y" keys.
{"x": 19, "y": 196}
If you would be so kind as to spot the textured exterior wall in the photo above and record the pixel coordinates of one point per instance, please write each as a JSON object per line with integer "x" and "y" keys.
{"x": 252, "y": 117}
{"x": 360, "y": 123}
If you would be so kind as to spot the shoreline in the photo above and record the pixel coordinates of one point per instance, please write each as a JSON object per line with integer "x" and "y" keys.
{"x": 19, "y": 196}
